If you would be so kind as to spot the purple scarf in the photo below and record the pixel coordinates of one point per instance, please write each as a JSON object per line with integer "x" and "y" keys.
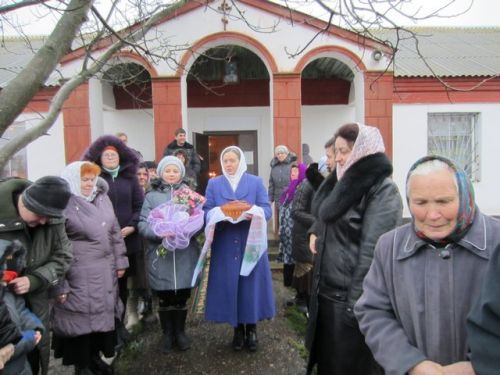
{"x": 288, "y": 194}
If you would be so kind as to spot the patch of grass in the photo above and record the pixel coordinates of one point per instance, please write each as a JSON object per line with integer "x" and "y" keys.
{"x": 132, "y": 352}
{"x": 299, "y": 346}
{"x": 296, "y": 320}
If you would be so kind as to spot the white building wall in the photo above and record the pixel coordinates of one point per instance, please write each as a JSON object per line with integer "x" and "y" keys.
{"x": 137, "y": 124}
{"x": 410, "y": 143}
{"x": 45, "y": 155}
{"x": 319, "y": 123}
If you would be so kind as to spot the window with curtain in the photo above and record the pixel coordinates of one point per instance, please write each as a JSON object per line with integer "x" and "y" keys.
{"x": 455, "y": 136}
{"x": 17, "y": 165}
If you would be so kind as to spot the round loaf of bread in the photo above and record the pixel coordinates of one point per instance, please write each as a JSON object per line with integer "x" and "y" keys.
{"x": 234, "y": 209}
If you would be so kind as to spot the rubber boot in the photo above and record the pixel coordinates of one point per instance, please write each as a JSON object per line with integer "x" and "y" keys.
{"x": 251, "y": 337}
{"x": 239, "y": 337}
{"x": 131, "y": 312}
{"x": 183, "y": 342}
{"x": 167, "y": 326}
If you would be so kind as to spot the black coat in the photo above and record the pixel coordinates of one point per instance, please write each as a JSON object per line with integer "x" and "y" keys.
{"x": 193, "y": 161}
{"x": 351, "y": 214}
{"x": 303, "y": 219}
{"x": 125, "y": 193}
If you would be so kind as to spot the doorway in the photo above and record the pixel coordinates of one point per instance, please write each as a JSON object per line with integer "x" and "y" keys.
{"x": 209, "y": 146}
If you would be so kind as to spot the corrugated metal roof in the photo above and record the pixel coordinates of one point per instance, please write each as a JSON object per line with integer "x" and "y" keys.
{"x": 449, "y": 52}
{"x": 15, "y": 54}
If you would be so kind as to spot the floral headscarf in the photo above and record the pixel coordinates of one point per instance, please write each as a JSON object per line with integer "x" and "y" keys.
{"x": 467, "y": 205}
{"x": 288, "y": 194}
{"x": 368, "y": 142}
{"x": 234, "y": 179}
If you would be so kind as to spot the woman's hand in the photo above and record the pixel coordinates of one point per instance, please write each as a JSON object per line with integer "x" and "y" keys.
{"x": 427, "y": 368}
{"x": 127, "y": 231}
{"x": 61, "y": 298}
{"x": 120, "y": 273}
{"x": 312, "y": 243}
{"x": 459, "y": 368}
{"x": 38, "y": 337}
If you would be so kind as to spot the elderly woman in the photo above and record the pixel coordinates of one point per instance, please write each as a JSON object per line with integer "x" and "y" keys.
{"x": 169, "y": 271}
{"x": 426, "y": 275}
{"x": 280, "y": 176}
{"x": 239, "y": 300}
{"x": 83, "y": 317}
{"x": 119, "y": 166}
{"x": 356, "y": 204}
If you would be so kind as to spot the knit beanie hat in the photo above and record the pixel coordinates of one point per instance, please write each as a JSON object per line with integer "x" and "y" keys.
{"x": 47, "y": 196}
{"x": 168, "y": 160}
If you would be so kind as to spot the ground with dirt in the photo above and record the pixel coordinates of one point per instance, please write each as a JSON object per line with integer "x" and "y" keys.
{"x": 280, "y": 349}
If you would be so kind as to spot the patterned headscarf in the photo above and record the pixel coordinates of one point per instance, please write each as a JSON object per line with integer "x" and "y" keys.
{"x": 368, "y": 142}
{"x": 288, "y": 194}
{"x": 467, "y": 205}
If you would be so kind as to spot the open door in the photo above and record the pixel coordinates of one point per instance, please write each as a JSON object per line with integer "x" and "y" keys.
{"x": 202, "y": 148}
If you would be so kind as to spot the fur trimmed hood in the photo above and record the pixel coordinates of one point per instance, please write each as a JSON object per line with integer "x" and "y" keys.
{"x": 129, "y": 162}
{"x": 335, "y": 197}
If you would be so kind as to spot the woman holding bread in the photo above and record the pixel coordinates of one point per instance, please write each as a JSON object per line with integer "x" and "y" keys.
{"x": 232, "y": 298}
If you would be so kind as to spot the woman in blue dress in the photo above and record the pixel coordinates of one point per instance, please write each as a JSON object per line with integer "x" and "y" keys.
{"x": 241, "y": 301}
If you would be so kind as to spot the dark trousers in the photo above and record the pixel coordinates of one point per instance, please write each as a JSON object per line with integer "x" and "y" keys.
{"x": 339, "y": 346}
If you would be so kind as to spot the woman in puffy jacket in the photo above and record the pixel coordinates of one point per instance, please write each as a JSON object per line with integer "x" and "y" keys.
{"x": 86, "y": 302}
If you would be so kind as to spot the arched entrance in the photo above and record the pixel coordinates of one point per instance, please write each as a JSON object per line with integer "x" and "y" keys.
{"x": 228, "y": 103}
{"x": 328, "y": 101}
{"x": 126, "y": 106}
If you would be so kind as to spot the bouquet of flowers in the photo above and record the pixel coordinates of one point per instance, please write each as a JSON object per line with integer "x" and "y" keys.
{"x": 177, "y": 220}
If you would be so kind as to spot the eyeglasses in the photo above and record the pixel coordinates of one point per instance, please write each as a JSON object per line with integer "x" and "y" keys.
{"x": 111, "y": 155}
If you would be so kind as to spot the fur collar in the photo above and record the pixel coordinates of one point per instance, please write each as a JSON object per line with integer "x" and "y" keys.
{"x": 313, "y": 176}
{"x": 334, "y": 198}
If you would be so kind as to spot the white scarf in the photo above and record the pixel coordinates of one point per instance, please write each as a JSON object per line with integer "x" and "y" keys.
{"x": 71, "y": 173}
{"x": 234, "y": 179}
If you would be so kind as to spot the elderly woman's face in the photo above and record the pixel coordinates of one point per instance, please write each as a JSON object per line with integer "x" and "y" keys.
{"x": 171, "y": 174}
{"x": 230, "y": 163}
{"x": 434, "y": 202}
{"x": 110, "y": 159}
{"x": 87, "y": 182}
{"x": 281, "y": 155}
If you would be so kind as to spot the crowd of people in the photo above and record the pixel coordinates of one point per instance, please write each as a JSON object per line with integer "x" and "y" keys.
{"x": 114, "y": 239}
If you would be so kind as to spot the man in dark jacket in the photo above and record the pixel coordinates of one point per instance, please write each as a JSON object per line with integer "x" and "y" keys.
{"x": 33, "y": 214}
{"x": 180, "y": 143}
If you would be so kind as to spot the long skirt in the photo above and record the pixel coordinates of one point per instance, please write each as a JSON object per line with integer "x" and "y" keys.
{"x": 339, "y": 347}
{"x": 80, "y": 350}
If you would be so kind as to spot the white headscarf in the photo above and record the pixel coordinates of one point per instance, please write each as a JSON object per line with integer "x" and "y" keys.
{"x": 72, "y": 174}
{"x": 234, "y": 179}
{"x": 368, "y": 142}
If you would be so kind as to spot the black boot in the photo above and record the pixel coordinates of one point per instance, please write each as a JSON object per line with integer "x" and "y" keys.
{"x": 98, "y": 366}
{"x": 122, "y": 335}
{"x": 183, "y": 342}
{"x": 83, "y": 371}
{"x": 167, "y": 326}
{"x": 239, "y": 337}
{"x": 251, "y": 337}
{"x": 148, "y": 316}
